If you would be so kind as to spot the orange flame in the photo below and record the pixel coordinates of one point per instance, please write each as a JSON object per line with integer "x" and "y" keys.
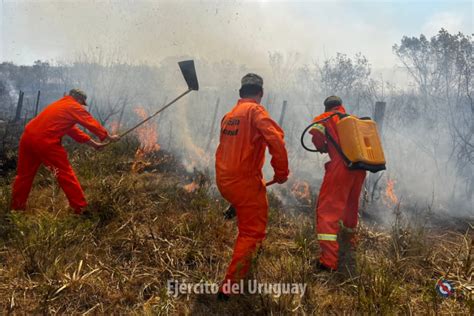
{"x": 301, "y": 191}
{"x": 147, "y": 133}
{"x": 148, "y": 137}
{"x": 390, "y": 193}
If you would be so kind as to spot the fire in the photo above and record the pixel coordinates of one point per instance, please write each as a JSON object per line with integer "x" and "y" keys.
{"x": 148, "y": 137}
{"x": 301, "y": 191}
{"x": 193, "y": 186}
{"x": 390, "y": 193}
{"x": 196, "y": 157}
{"x": 139, "y": 162}
{"x": 147, "y": 133}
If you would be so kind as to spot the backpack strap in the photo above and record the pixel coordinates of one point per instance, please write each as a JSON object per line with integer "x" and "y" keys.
{"x": 341, "y": 115}
{"x": 338, "y": 149}
{"x": 333, "y": 141}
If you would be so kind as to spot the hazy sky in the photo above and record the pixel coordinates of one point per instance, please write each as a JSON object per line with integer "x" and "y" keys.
{"x": 243, "y": 31}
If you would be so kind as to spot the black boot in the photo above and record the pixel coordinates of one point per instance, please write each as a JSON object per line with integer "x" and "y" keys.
{"x": 322, "y": 267}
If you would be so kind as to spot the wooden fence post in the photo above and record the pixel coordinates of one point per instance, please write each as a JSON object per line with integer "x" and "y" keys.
{"x": 373, "y": 179}
{"x": 379, "y": 113}
{"x": 282, "y": 115}
{"x": 37, "y": 103}
{"x": 19, "y": 107}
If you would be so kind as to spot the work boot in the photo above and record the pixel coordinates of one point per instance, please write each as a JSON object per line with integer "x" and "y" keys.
{"x": 87, "y": 214}
{"x": 322, "y": 267}
{"x": 229, "y": 213}
{"x": 347, "y": 258}
{"x": 78, "y": 210}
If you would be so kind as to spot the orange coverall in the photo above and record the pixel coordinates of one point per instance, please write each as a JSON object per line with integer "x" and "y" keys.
{"x": 41, "y": 144}
{"x": 340, "y": 191}
{"x": 246, "y": 131}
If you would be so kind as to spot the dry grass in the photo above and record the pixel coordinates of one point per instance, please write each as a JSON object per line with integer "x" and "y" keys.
{"x": 143, "y": 229}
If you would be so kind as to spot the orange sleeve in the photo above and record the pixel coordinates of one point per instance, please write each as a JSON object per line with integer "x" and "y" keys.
{"x": 85, "y": 119}
{"x": 78, "y": 135}
{"x": 274, "y": 138}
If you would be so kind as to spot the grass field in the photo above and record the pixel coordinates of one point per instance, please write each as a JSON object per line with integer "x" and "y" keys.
{"x": 145, "y": 227}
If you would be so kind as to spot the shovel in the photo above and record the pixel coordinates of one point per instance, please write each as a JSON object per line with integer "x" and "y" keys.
{"x": 189, "y": 74}
{"x": 230, "y": 212}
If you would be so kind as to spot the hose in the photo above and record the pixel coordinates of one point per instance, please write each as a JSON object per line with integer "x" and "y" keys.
{"x": 341, "y": 115}
{"x": 302, "y": 138}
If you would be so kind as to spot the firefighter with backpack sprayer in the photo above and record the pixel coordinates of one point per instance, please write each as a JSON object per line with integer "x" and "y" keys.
{"x": 354, "y": 147}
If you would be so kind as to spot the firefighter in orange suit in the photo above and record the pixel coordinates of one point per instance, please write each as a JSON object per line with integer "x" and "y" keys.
{"x": 338, "y": 201}
{"x": 246, "y": 131}
{"x": 41, "y": 144}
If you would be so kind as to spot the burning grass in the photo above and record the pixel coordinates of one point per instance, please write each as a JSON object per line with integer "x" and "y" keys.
{"x": 161, "y": 222}
{"x": 148, "y": 137}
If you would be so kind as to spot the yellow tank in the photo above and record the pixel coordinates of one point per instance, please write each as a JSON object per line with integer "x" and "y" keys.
{"x": 360, "y": 142}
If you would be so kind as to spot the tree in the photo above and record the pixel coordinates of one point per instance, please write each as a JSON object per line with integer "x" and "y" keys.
{"x": 442, "y": 70}
{"x": 348, "y": 78}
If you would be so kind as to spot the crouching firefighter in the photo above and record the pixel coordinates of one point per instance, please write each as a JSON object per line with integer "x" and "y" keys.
{"x": 246, "y": 131}
{"x": 41, "y": 144}
{"x": 353, "y": 146}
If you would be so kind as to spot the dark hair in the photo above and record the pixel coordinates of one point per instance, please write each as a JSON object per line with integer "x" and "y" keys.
{"x": 250, "y": 90}
{"x": 328, "y": 107}
{"x": 332, "y": 101}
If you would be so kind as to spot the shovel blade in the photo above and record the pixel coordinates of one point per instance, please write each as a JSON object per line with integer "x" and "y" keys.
{"x": 189, "y": 74}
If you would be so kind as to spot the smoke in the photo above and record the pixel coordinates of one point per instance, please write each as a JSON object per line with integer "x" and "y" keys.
{"x": 245, "y": 31}
{"x": 124, "y": 54}
{"x": 8, "y": 93}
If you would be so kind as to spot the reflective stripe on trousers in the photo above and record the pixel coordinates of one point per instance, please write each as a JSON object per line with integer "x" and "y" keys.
{"x": 327, "y": 237}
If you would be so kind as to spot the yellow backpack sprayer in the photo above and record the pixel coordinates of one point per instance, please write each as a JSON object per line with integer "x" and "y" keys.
{"x": 360, "y": 146}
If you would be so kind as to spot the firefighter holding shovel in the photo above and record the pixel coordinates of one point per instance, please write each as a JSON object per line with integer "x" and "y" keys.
{"x": 41, "y": 144}
{"x": 246, "y": 131}
{"x": 41, "y": 141}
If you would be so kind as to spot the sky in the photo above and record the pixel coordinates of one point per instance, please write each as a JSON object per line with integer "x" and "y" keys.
{"x": 242, "y": 31}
